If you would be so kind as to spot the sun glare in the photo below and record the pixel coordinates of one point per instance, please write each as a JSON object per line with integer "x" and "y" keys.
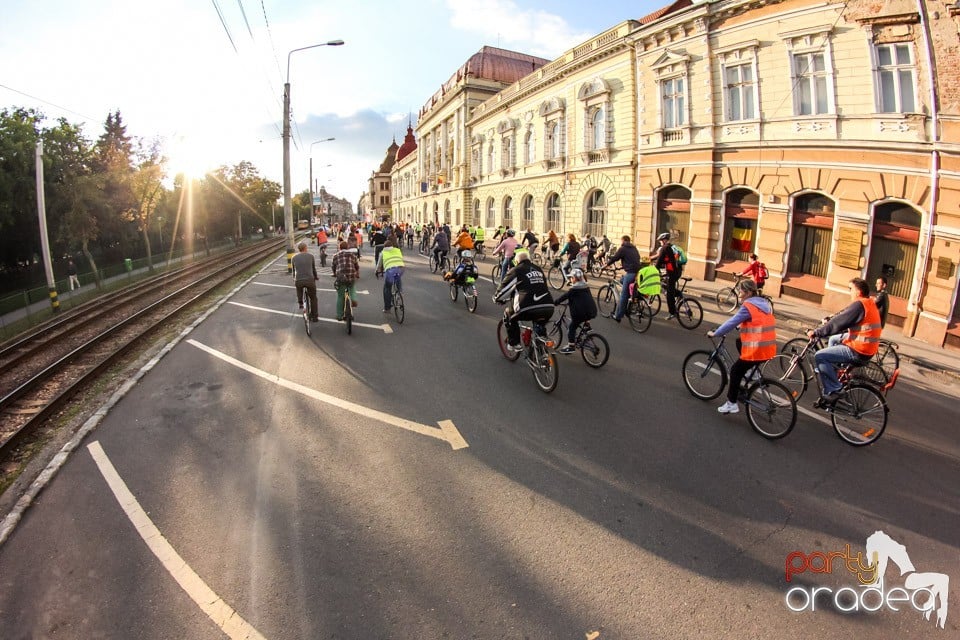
{"x": 185, "y": 157}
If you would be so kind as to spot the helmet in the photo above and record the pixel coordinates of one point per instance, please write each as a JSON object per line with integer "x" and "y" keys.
{"x": 467, "y": 254}
{"x": 511, "y": 232}
{"x": 663, "y": 236}
{"x": 576, "y": 274}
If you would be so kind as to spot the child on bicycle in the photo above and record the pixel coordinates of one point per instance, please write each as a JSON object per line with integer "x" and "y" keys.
{"x": 758, "y": 341}
{"x": 464, "y": 271}
{"x": 582, "y": 307}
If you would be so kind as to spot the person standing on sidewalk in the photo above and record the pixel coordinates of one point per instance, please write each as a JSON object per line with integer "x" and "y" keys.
{"x": 881, "y": 298}
{"x": 72, "y": 273}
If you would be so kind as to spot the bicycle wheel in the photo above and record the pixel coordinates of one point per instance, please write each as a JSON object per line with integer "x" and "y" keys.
{"x": 595, "y": 350}
{"x": 545, "y": 369}
{"x": 689, "y": 313}
{"x": 860, "y": 415}
{"x": 654, "y": 303}
{"x": 597, "y": 269}
{"x": 537, "y": 258}
{"x": 872, "y": 374}
{"x": 787, "y": 370}
{"x": 796, "y": 345}
{"x": 434, "y": 263}
{"x": 306, "y": 321}
{"x": 638, "y": 313}
{"x": 704, "y": 375}
{"x": 446, "y": 264}
{"x": 398, "y": 310}
{"x": 887, "y": 357}
{"x": 454, "y": 291}
{"x": 607, "y": 300}
{"x": 771, "y": 409}
{"x": 348, "y": 314}
{"x": 495, "y": 274}
{"x": 502, "y": 341}
{"x": 471, "y": 297}
{"x": 727, "y": 299}
{"x": 555, "y": 278}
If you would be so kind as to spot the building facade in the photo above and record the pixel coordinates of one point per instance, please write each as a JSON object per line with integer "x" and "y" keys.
{"x": 379, "y": 187}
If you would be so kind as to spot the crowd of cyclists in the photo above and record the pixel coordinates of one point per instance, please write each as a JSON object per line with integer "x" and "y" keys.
{"x": 523, "y": 289}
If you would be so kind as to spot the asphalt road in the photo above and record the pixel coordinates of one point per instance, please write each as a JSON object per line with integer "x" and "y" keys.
{"x": 297, "y": 487}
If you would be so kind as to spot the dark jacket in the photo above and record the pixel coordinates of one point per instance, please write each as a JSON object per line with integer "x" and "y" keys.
{"x": 628, "y": 256}
{"x": 883, "y": 305}
{"x": 582, "y": 305}
{"x": 531, "y": 285}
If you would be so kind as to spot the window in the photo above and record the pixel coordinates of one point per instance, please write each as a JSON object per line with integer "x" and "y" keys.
{"x": 553, "y": 140}
{"x": 528, "y": 222}
{"x": 672, "y": 93}
{"x": 893, "y": 246}
{"x": 598, "y": 129}
{"x": 595, "y": 221}
{"x": 812, "y": 84}
{"x": 475, "y": 168}
{"x": 740, "y": 92}
{"x": 811, "y": 237}
{"x": 491, "y": 155}
{"x": 552, "y": 222}
{"x": 508, "y": 212}
{"x": 446, "y": 212}
{"x": 673, "y": 214}
{"x": 476, "y": 212}
{"x": 742, "y": 209}
{"x": 506, "y": 157}
{"x": 491, "y": 214}
{"x": 530, "y": 147}
{"x": 895, "y": 78}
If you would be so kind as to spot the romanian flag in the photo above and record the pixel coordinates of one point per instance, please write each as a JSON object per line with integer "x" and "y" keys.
{"x": 742, "y": 236}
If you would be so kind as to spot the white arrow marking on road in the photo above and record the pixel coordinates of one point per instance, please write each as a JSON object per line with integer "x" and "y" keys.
{"x": 382, "y": 327}
{"x": 290, "y": 286}
{"x": 222, "y": 614}
{"x": 447, "y": 432}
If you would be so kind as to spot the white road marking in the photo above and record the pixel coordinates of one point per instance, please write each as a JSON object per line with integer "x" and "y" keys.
{"x": 386, "y": 328}
{"x": 447, "y": 432}
{"x": 222, "y": 614}
{"x": 290, "y": 286}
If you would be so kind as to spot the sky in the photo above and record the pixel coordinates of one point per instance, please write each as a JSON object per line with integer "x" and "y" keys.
{"x": 206, "y": 78}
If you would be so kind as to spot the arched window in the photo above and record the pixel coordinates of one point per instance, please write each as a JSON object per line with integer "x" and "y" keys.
{"x": 552, "y": 219}
{"x": 599, "y": 129}
{"x": 741, "y": 211}
{"x": 811, "y": 237}
{"x": 673, "y": 214}
{"x": 893, "y": 246}
{"x": 446, "y": 212}
{"x": 595, "y": 221}
{"x": 508, "y": 212}
{"x": 528, "y": 215}
{"x": 476, "y": 212}
{"x": 530, "y": 147}
{"x": 491, "y": 214}
{"x": 436, "y": 212}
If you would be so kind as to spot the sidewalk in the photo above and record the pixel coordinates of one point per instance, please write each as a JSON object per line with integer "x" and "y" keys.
{"x": 794, "y": 315}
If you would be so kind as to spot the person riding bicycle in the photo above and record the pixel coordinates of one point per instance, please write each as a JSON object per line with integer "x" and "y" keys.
{"x": 440, "y": 246}
{"x": 479, "y": 235}
{"x": 531, "y": 298}
{"x": 378, "y": 239}
{"x": 463, "y": 242}
{"x": 756, "y": 271}
{"x": 757, "y": 342}
{"x": 466, "y": 272}
{"x": 305, "y": 279}
{"x": 530, "y": 241}
{"x": 862, "y": 319}
{"x": 506, "y": 249}
{"x": 390, "y": 264}
{"x": 582, "y": 307}
{"x": 666, "y": 260}
{"x": 346, "y": 271}
{"x": 629, "y": 258}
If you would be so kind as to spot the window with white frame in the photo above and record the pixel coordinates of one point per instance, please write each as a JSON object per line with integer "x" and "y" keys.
{"x": 476, "y": 211}
{"x": 895, "y": 78}
{"x": 508, "y": 212}
{"x": 673, "y": 98}
{"x": 491, "y": 214}
{"x": 812, "y": 84}
{"x": 506, "y": 152}
{"x": 740, "y": 89}
{"x": 598, "y": 129}
{"x": 553, "y": 140}
{"x": 552, "y": 112}
{"x": 528, "y": 222}
{"x": 594, "y": 95}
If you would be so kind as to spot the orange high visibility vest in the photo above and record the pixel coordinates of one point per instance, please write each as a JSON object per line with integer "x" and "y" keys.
{"x": 758, "y": 335}
{"x": 865, "y": 337}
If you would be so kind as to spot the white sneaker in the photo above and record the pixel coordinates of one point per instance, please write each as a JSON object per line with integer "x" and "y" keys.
{"x": 728, "y": 407}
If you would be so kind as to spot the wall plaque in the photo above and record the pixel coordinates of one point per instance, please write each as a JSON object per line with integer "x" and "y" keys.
{"x": 849, "y": 247}
{"x": 944, "y": 268}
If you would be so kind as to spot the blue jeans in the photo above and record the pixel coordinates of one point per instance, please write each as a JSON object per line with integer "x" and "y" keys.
{"x": 827, "y": 360}
{"x": 624, "y": 294}
{"x": 505, "y": 266}
{"x": 392, "y": 275}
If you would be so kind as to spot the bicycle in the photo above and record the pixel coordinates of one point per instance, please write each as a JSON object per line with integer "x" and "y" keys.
{"x": 397, "y": 301}
{"x": 689, "y": 311}
{"x": 770, "y": 407}
{"x": 559, "y": 273}
{"x": 727, "y": 300}
{"x": 441, "y": 264}
{"x": 496, "y": 274}
{"x": 537, "y": 352}
{"x": 347, "y": 306}
{"x": 305, "y": 311}
{"x": 470, "y": 295}
{"x": 886, "y": 360}
{"x": 594, "y": 348}
{"x": 859, "y": 415}
{"x": 639, "y": 311}
{"x": 479, "y": 252}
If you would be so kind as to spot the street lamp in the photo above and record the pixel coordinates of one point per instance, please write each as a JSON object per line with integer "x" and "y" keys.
{"x": 311, "y": 172}
{"x": 287, "y": 203}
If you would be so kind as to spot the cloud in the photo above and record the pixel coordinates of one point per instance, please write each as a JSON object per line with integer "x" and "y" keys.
{"x": 530, "y": 31}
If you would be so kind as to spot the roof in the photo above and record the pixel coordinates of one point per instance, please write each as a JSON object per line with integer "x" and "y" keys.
{"x": 670, "y": 8}
{"x": 409, "y": 144}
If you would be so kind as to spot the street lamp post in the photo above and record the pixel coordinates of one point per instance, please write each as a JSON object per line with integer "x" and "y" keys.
{"x": 287, "y": 203}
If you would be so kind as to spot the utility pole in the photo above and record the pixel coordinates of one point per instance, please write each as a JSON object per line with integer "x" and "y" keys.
{"x": 44, "y": 240}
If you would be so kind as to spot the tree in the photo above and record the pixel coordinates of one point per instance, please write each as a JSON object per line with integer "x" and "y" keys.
{"x": 146, "y": 185}
{"x": 114, "y": 160}
{"x": 19, "y": 228}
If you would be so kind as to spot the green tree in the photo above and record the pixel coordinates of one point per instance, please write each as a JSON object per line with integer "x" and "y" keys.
{"x": 19, "y": 226}
{"x": 113, "y": 159}
{"x": 146, "y": 185}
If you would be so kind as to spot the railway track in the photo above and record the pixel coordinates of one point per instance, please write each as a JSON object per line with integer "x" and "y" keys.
{"x": 44, "y": 369}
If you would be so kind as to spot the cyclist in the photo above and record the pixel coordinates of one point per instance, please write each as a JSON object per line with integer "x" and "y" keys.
{"x": 629, "y": 258}
{"x": 479, "y": 234}
{"x": 346, "y": 271}
{"x": 531, "y": 297}
{"x": 530, "y": 241}
{"x": 440, "y": 246}
{"x": 305, "y": 279}
{"x": 463, "y": 242}
{"x": 464, "y": 271}
{"x": 390, "y": 265}
{"x": 592, "y": 245}
{"x": 666, "y": 260}
{"x": 862, "y": 319}
{"x": 756, "y": 271}
{"x": 506, "y": 249}
{"x": 758, "y": 341}
{"x": 571, "y": 249}
{"x": 501, "y": 230}
{"x": 553, "y": 243}
{"x": 582, "y": 307}
{"x": 377, "y": 239}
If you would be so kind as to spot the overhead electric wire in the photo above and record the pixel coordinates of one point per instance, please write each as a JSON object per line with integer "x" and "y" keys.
{"x": 88, "y": 118}
{"x": 245, "y": 21}
{"x": 225, "y": 27}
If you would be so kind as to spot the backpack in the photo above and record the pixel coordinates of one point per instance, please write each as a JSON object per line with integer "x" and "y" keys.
{"x": 762, "y": 273}
{"x": 681, "y": 255}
